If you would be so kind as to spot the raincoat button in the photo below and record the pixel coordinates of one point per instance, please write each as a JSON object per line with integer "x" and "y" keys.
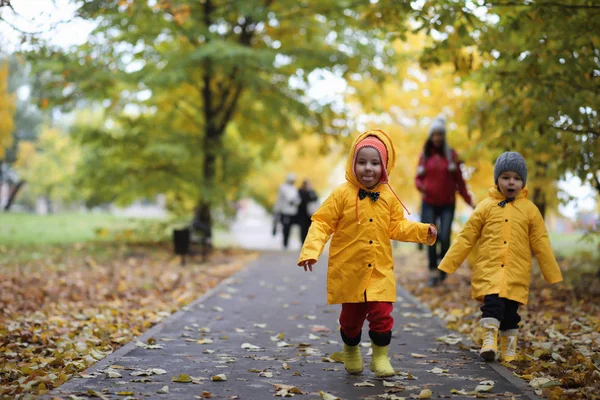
{"x": 502, "y": 265}
{"x": 370, "y": 242}
{"x": 505, "y": 220}
{"x": 504, "y": 242}
{"x": 369, "y": 265}
{"x": 370, "y": 219}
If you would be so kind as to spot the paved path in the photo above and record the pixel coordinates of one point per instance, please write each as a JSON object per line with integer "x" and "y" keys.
{"x": 271, "y": 297}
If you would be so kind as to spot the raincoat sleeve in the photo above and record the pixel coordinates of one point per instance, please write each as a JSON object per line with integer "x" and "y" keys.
{"x": 407, "y": 231}
{"x": 465, "y": 241}
{"x": 324, "y": 223}
{"x": 540, "y": 244}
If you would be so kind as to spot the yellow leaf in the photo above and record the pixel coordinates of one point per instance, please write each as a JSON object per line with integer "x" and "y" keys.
{"x": 182, "y": 378}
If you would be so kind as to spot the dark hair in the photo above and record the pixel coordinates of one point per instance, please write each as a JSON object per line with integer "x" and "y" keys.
{"x": 429, "y": 149}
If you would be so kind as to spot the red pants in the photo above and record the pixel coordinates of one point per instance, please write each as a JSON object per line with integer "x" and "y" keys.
{"x": 377, "y": 313}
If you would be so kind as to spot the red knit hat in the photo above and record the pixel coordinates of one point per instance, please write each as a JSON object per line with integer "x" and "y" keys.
{"x": 374, "y": 142}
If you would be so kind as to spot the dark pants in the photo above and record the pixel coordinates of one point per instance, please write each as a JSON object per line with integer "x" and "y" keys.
{"x": 431, "y": 215}
{"x": 504, "y": 310}
{"x": 304, "y": 223}
{"x": 286, "y": 221}
{"x": 353, "y": 317}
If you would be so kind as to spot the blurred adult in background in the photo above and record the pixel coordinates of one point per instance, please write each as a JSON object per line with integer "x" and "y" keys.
{"x": 308, "y": 204}
{"x": 438, "y": 179}
{"x": 286, "y": 206}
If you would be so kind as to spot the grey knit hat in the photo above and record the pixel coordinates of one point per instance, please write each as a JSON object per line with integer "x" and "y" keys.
{"x": 437, "y": 125}
{"x": 510, "y": 161}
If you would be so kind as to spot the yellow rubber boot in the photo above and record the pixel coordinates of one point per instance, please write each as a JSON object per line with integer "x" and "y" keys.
{"x": 352, "y": 359}
{"x": 380, "y": 364}
{"x": 489, "y": 349}
{"x": 508, "y": 345}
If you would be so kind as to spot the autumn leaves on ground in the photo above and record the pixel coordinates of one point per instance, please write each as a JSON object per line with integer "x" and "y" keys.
{"x": 64, "y": 311}
{"x": 76, "y": 304}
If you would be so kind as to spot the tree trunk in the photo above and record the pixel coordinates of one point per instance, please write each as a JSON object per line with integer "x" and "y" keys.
{"x": 13, "y": 194}
{"x": 203, "y": 218}
{"x": 539, "y": 199}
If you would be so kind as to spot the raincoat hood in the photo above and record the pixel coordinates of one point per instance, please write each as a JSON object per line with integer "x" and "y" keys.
{"x": 391, "y": 162}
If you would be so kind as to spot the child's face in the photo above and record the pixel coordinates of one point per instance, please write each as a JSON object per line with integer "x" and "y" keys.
{"x": 368, "y": 167}
{"x": 510, "y": 183}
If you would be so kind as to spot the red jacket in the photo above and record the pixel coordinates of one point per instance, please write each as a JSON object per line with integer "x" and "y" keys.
{"x": 439, "y": 185}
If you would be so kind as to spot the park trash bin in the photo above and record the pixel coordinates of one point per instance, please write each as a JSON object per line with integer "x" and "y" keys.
{"x": 181, "y": 242}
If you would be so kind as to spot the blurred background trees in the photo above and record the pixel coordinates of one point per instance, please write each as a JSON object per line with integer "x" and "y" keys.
{"x": 206, "y": 102}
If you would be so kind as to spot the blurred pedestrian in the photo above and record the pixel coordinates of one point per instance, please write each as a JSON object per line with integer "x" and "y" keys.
{"x": 308, "y": 201}
{"x": 286, "y": 206}
{"x": 438, "y": 179}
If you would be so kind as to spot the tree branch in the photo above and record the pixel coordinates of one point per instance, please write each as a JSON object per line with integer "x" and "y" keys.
{"x": 227, "y": 114}
{"x": 547, "y": 4}
{"x": 573, "y": 130}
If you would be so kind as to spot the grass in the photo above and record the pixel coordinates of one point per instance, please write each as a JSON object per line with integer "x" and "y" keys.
{"x": 573, "y": 244}
{"x": 30, "y": 237}
{"x": 30, "y": 229}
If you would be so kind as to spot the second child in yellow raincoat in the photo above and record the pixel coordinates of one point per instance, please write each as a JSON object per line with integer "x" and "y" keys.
{"x": 508, "y": 226}
{"x": 363, "y": 214}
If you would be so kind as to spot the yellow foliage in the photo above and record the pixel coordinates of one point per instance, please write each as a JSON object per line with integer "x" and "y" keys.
{"x": 25, "y": 154}
{"x": 7, "y": 110}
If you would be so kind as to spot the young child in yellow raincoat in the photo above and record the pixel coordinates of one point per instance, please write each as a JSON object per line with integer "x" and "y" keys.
{"x": 363, "y": 214}
{"x": 508, "y": 226}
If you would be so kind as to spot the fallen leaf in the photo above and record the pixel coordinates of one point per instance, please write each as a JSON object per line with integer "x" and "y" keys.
{"x": 425, "y": 394}
{"x": 163, "y": 390}
{"x": 182, "y": 378}
{"x": 286, "y": 388}
{"x": 437, "y": 370}
{"x": 250, "y": 347}
{"x": 319, "y": 328}
{"x": 484, "y": 386}
{"x": 364, "y": 384}
{"x": 94, "y": 393}
{"x": 266, "y": 374}
{"x": 328, "y": 396}
{"x": 417, "y": 355}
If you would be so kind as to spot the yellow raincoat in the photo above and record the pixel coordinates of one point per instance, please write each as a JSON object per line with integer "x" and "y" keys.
{"x": 361, "y": 267}
{"x": 506, "y": 237}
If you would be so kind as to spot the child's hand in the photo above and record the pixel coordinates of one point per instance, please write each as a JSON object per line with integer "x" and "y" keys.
{"x": 432, "y": 233}
{"x": 307, "y": 263}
